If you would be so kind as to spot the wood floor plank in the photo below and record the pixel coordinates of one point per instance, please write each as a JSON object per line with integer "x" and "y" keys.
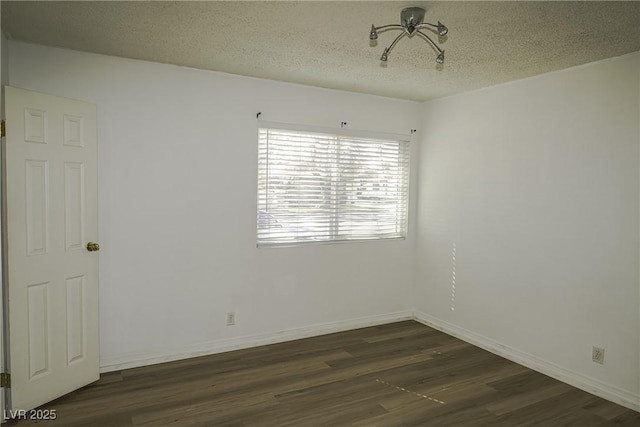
{"x": 627, "y": 418}
{"x": 400, "y": 374}
{"x": 530, "y": 397}
{"x": 605, "y": 409}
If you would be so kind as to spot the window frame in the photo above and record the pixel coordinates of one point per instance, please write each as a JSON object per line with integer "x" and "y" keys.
{"x": 345, "y": 134}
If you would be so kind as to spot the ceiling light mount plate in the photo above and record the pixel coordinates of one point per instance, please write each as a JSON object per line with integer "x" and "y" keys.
{"x": 410, "y": 18}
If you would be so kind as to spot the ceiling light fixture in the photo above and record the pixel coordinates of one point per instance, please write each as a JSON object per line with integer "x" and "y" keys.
{"x": 411, "y": 23}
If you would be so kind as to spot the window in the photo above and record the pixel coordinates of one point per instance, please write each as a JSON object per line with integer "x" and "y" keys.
{"x": 318, "y": 187}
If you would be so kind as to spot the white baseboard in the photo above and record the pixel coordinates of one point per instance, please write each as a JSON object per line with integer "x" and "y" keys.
{"x": 590, "y": 385}
{"x": 135, "y": 360}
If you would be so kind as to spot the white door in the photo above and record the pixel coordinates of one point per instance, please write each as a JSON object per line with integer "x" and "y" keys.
{"x": 51, "y": 206}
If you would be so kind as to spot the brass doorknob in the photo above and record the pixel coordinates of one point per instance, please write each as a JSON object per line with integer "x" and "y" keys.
{"x": 93, "y": 247}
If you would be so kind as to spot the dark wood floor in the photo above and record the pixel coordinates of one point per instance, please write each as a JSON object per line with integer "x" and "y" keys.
{"x": 401, "y": 374}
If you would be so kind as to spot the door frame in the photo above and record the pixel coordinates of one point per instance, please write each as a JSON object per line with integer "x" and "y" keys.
{"x": 5, "y": 395}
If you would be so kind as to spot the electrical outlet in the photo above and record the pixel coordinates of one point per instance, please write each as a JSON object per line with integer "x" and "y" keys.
{"x": 231, "y": 318}
{"x": 597, "y": 355}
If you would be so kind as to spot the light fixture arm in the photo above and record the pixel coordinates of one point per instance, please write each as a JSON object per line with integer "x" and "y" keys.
{"x": 430, "y": 41}
{"x": 387, "y": 51}
{"x": 382, "y": 27}
{"x": 440, "y": 57}
{"x": 442, "y": 30}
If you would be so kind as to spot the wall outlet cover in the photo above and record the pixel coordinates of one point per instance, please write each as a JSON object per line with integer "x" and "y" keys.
{"x": 231, "y": 318}
{"x": 597, "y": 355}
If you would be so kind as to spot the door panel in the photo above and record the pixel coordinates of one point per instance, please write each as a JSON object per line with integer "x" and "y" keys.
{"x": 51, "y": 181}
{"x": 37, "y": 195}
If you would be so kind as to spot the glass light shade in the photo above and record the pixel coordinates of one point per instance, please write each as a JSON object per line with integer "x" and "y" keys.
{"x": 373, "y": 35}
{"x": 442, "y": 30}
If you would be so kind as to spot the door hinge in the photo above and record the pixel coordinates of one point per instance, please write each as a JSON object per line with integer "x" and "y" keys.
{"x": 3, "y": 129}
{"x": 5, "y": 380}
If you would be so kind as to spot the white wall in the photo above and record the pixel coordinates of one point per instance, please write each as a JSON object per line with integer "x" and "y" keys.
{"x": 177, "y": 175}
{"x": 535, "y": 182}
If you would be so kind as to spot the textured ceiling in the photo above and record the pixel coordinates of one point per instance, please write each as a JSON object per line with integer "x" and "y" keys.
{"x": 326, "y": 44}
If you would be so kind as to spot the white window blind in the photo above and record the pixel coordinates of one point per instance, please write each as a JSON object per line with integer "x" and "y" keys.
{"x": 321, "y": 187}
